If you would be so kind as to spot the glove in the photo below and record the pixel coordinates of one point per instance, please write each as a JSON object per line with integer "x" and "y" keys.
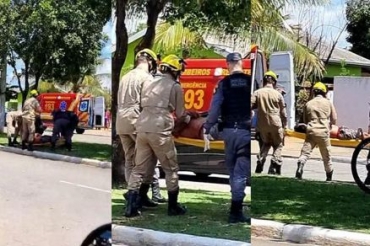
{"x": 180, "y": 125}
{"x": 207, "y": 140}
{"x": 193, "y": 115}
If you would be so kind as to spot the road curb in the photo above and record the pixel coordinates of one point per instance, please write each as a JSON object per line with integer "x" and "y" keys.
{"x": 333, "y": 158}
{"x": 144, "y": 237}
{"x": 305, "y": 234}
{"x": 57, "y": 157}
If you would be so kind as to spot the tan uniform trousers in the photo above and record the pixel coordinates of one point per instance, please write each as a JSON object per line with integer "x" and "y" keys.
{"x": 13, "y": 126}
{"x": 151, "y": 147}
{"x": 323, "y": 142}
{"x": 128, "y": 145}
{"x": 272, "y": 137}
{"x": 28, "y": 129}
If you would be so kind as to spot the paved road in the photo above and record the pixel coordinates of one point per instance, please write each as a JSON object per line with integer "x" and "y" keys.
{"x": 270, "y": 242}
{"x": 45, "y": 203}
{"x": 313, "y": 169}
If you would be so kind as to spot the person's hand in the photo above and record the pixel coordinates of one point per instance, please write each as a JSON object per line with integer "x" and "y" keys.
{"x": 207, "y": 141}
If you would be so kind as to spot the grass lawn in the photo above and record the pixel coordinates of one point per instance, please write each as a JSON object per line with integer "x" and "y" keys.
{"x": 207, "y": 216}
{"x": 329, "y": 205}
{"x": 95, "y": 151}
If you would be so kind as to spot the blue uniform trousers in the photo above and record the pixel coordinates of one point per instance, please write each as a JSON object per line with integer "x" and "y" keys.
{"x": 238, "y": 160}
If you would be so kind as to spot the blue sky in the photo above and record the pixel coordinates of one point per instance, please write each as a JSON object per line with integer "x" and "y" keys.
{"x": 328, "y": 19}
{"x": 105, "y": 54}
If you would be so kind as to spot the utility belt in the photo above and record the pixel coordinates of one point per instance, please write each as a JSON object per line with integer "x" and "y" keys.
{"x": 244, "y": 125}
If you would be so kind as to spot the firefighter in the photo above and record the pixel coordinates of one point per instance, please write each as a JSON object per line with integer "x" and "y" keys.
{"x": 31, "y": 109}
{"x": 64, "y": 124}
{"x": 14, "y": 125}
{"x": 318, "y": 115}
{"x": 271, "y": 124}
{"x": 128, "y": 111}
{"x": 254, "y": 124}
{"x": 231, "y": 100}
{"x": 159, "y": 100}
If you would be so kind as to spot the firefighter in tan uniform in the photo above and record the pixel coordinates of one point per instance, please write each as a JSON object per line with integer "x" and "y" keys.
{"x": 318, "y": 115}
{"x": 159, "y": 100}
{"x": 272, "y": 120}
{"x": 13, "y": 126}
{"x": 30, "y": 110}
{"x": 128, "y": 111}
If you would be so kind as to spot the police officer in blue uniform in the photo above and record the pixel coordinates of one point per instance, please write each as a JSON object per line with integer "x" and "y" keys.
{"x": 231, "y": 100}
{"x": 65, "y": 122}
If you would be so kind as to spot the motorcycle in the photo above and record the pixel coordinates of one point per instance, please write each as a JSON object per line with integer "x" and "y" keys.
{"x": 101, "y": 236}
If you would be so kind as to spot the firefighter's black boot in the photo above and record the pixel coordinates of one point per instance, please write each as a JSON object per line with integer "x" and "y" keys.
{"x": 156, "y": 193}
{"x": 272, "y": 167}
{"x": 236, "y": 213}
{"x": 175, "y": 208}
{"x": 24, "y": 145}
{"x": 132, "y": 209}
{"x": 259, "y": 168}
{"x": 30, "y": 146}
{"x": 144, "y": 200}
{"x": 15, "y": 142}
{"x": 299, "y": 172}
{"x": 125, "y": 196}
{"x": 69, "y": 146}
{"x": 278, "y": 169}
{"x": 10, "y": 142}
{"x": 275, "y": 169}
{"x": 329, "y": 176}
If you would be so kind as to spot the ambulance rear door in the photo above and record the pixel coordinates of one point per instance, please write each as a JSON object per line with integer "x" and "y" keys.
{"x": 99, "y": 111}
{"x": 282, "y": 64}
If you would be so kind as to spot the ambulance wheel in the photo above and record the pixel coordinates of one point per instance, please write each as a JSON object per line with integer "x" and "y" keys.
{"x": 80, "y": 131}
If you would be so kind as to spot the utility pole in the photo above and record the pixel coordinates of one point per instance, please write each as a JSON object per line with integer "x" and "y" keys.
{"x": 3, "y": 65}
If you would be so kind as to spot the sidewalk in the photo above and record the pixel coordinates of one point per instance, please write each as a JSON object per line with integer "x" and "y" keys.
{"x": 293, "y": 147}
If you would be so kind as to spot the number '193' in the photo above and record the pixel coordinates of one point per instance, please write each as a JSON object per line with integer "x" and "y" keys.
{"x": 194, "y": 99}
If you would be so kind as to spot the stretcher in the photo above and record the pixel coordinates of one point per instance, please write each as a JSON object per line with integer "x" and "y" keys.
{"x": 219, "y": 144}
{"x": 59, "y": 142}
{"x": 334, "y": 141}
{"x": 216, "y": 145}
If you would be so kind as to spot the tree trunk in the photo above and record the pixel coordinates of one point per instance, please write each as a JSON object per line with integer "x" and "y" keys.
{"x": 37, "y": 80}
{"x": 26, "y": 82}
{"x": 153, "y": 9}
{"x": 3, "y": 64}
{"x": 118, "y": 60}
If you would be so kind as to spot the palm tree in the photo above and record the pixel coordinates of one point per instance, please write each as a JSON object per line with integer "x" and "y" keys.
{"x": 272, "y": 33}
{"x": 269, "y": 30}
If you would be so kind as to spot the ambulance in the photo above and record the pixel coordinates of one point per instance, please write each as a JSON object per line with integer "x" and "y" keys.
{"x": 89, "y": 109}
{"x": 201, "y": 76}
{"x": 199, "y": 81}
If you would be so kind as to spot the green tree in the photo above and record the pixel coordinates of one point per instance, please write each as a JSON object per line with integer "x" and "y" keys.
{"x": 56, "y": 40}
{"x": 358, "y": 16}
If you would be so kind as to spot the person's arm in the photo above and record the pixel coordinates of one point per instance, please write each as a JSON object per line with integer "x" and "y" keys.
{"x": 215, "y": 109}
{"x": 333, "y": 115}
{"x": 283, "y": 113}
{"x": 305, "y": 116}
{"x": 254, "y": 104}
{"x": 38, "y": 108}
{"x": 177, "y": 99}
